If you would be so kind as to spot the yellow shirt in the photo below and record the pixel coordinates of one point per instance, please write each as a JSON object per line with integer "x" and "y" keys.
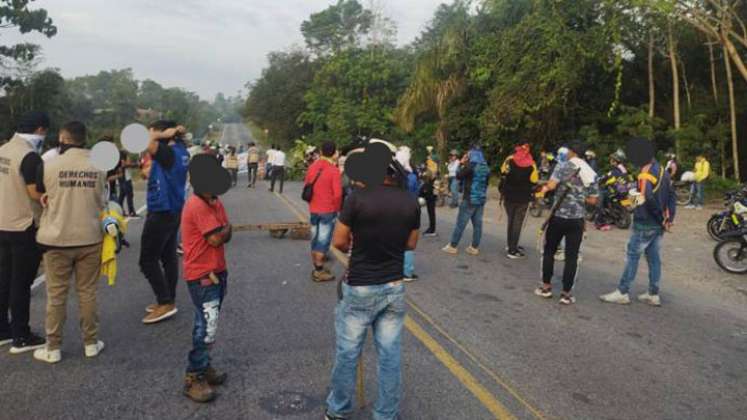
{"x": 702, "y": 170}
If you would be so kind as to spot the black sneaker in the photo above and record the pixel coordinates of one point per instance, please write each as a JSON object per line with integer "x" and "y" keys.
{"x": 543, "y": 292}
{"x": 567, "y": 299}
{"x": 328, "y": 416}
{"x": 516, "y": 255}
{"x": 29, "y": 343}
{"x": 5, "y": 338}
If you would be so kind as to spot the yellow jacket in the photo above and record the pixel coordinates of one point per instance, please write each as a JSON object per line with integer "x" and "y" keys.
{"x": 702, "y": 170}
{"x": 109, "y": 247}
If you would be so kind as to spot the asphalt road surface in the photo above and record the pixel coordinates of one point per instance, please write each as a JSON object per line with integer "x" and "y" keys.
{"x": 477, "y": 343}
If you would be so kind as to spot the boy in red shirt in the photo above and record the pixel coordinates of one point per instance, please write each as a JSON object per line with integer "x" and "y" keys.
{"x": 205, "y": 229}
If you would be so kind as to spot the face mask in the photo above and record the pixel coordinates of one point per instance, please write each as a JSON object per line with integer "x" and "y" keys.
{"x": 65, "y": 147}
{"x": 35, "y": 140}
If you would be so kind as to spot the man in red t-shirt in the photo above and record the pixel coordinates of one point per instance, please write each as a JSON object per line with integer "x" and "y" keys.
{"x": 205, "y": 229}
{"x": 326, "y": 202}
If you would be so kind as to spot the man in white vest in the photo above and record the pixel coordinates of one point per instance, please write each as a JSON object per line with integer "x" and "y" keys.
{"x": 19, "y": 217}
{"x": 71, "y": 233}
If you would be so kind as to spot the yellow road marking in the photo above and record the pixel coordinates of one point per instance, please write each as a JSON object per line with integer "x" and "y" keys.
{"x": 487, "y": 399}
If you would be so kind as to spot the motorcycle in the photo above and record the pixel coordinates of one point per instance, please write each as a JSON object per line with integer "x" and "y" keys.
{"x": 729, "y": 220}
{"x": 539, "y": 204}
{"x": 618, "y": 207}
{"x": 731, "y": 253}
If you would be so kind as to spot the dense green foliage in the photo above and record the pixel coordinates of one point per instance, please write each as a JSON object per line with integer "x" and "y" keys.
{"x": 503, "y": 71}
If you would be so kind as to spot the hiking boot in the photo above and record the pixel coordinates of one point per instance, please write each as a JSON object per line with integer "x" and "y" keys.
{"x": 197, "y": 389}
{"x": 26, "y": 344}
{"x": 93, "y": 350}
{"x": 48, "y": 356}
{"x": 544, "y": 291}
{"x": 450, "y": 250}
{"x": 472, "y": 251}
{"x": 411, "y": 278}
{"x": 150, "y": 308}
{"x": 321, "y": 276}
{"x": 616, "y": 297}
{"x": 652, "y": 300}
{"x": 567, "y": 299}
{"x": 160, "y": 313}
{"x": 215, "y": 378}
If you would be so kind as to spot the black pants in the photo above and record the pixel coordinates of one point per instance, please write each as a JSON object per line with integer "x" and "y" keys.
{"x": 430, "y": 204}
{"x": 19, "y": 262}
{"x": 573, "y": 232}
{"x": 251, "y": 174}
{"x": 158, "y": 245}
{"x": 126, "y": 192}
{"x": 516, "y": 213}
{"x": 277, "y": 172}
{"x": 113, "y": 190}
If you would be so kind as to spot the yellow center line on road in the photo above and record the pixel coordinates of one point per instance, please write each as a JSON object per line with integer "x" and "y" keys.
{"x": 488, "y": 400}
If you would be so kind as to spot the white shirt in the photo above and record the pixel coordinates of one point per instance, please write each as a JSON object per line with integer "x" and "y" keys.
{"x": 50, "y": 154}
{"x": 453, "y": 168}
{"x": 278, "y": 158}
{"x": 270, "y": 155}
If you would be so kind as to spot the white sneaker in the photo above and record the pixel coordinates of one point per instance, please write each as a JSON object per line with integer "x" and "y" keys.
{"x": 93, "y": 350}
{"x": 472, "y": 251}
{"x": 652, "y": 300}
{"x": 49, "y": 356}
{"x": 450, "y": 250}
{"x": 689, "y": 206}
{"x": 616, "y": 297}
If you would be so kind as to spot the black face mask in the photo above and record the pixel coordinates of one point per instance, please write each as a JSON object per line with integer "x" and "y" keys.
{"x": 65, "y": 147}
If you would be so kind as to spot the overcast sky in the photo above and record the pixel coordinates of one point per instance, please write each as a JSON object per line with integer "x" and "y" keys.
{"x": 203, "y": 46}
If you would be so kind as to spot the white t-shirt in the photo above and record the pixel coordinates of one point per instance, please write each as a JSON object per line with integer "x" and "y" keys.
{"x": 270, "y": 156}
{"x": 278, "y": 158}
{"x": 50, "y": 154}
{"x": 453, "y": 168}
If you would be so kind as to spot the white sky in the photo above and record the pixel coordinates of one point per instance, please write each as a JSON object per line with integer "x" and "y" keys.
{"x": 205, "y": 46}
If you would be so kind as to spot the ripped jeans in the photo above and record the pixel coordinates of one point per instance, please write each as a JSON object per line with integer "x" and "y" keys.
{"x": 208, "y": 301}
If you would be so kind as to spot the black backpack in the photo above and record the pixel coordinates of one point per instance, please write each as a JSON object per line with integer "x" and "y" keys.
{"x": 308, "y": 190}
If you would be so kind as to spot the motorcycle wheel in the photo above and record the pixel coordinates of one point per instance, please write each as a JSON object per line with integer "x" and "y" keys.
{"x": 714, "y": 226}
{"x": 731, "y": 256}
{"x": 683, "y": 195}
{"x": 535, "y": 208}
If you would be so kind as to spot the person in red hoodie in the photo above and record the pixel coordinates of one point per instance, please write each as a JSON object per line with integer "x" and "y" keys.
{"x": 325, "y": 203}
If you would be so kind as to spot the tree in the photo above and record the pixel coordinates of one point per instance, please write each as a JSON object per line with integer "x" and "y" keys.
{"x": 338, "y": 27}
{"x": 15, "y": 14}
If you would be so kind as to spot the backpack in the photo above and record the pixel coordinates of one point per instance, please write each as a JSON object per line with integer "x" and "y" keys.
{"x": 478, "y": 195}
{"x": 308, "y": 190}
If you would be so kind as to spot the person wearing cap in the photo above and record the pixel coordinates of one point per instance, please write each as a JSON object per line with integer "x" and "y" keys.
{"x": 252, "y": 164}
{"x": 653, "y": 215}
{"x": 453, "y": 168}
{"x": 19, "y": 219}
{"x": 378, "y": 223}
{"x": 71, "y": 234}
{"x": 520, "y": 176}
{"x": 576, "y": 186}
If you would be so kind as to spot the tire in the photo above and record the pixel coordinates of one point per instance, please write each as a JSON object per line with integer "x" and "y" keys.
{"x": 714, "y": 226}
{"x": 726, "y": 256}
{"x": 683, "y": 195}
{"x": 535, "y": 208}
{"x": 623, "y": 218}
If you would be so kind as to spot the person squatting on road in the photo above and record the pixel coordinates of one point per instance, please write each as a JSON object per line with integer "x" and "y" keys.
{"x": 453, "y": 169}
{"x": 71, "y": 234}
{"x": 167, "y": 180}
{"x": 651, "y": 218}
{"x": 205, "y": 230}
{"x": 576, "y": 185}
{"x": 326, "y": 201}
{"x": 252, "y": 164}
{"x": 381, "y": 221}
{"x": 475, "y": 174}
{"x": 520, "y": 175}
{"x": 19, "y": 220}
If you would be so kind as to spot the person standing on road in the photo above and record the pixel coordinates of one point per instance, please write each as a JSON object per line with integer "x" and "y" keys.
{"x": 453, "y": 169}
{"x": 650, "y": 220}
{"x": 672, "y": 165}
{"x": 166, "y": 193}
{"x": 232, "y": 164}
{"x": 702, "y": 173}
{"x": 269, "y": 158}
{"x": 252, "y": 164}
{"x": 126, "y": 190}
{"x": 379, "y": 222}
{"x": 278, "y": 170}
{"x": 205, "y": 229}
{"x": 427, "y": 192}
{"x": 520, "y": 176}
{"x": 71, "y": 234}
{"x": 19, "y": 219}
{"x": 475, "y": 174}
{"x": 326, "y": 201}
{"x": 412, "y": 185}
{"x": 576, "y": 184}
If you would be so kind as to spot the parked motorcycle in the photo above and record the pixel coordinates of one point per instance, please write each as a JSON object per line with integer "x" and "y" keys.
{"x": 731, "y": 219}
{"x": 618, "y": 207}
{"x": 731, "y": 253}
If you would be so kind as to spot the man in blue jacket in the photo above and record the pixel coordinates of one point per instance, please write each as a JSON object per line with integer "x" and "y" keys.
{"x": 654, "y": 215}
{"x": 165, "y": 198}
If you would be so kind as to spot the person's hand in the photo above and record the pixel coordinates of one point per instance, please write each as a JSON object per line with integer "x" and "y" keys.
{"x": 181, "y": 130}
{"x": 169, "y": 133}
{"x": 668, "y": 226}
{"x": 44, "y": 200}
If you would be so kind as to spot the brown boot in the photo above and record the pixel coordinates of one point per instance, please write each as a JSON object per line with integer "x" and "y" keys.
{"x": 197, "y": 389}
{"x": 215, "y": 378}
{"x": 320, "y": 276}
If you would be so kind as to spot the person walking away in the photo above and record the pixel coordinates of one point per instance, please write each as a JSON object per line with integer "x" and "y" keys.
{"x": 521, "y": 175}
{"x": 166, "y": 193}
{"x": 126, "y": 190}
{"x": 650, "y": 220}
{"x": 232, "y": 164}
{"x": 575, "y": 183}
{"x": 453, "y": 169}
{"x": 702, "y": 173}
{"x": 19, "y": 219}
{"x": 380, "y": 222}
{"x": 475, "y": 174}
{"x": 252, "y": 164}
{"x": 205, "y": 230}
{"x": 71, "y": 233}
{"x": 325, "y": 204}
{"x": 269, "y": 158}
{"x": 278, "y": 170}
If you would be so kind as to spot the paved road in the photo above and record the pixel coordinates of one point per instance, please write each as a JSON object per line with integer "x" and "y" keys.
{"x": 478, "y": 344}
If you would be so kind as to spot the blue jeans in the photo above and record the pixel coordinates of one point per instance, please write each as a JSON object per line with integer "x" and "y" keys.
{"x": 698, "y": 194}
{"x": 454, "y": 189}
{"x": 468, "y": 212}
{"x": 322, "y": 227}
{"x": 208, "y": 301}
{"x": 409, "y": 264}
{"x": 641, "y": 241}
{"x": 381, "y": 307}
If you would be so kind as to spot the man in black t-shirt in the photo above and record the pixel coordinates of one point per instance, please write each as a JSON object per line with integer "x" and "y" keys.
{"x": 377, "y": 225}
